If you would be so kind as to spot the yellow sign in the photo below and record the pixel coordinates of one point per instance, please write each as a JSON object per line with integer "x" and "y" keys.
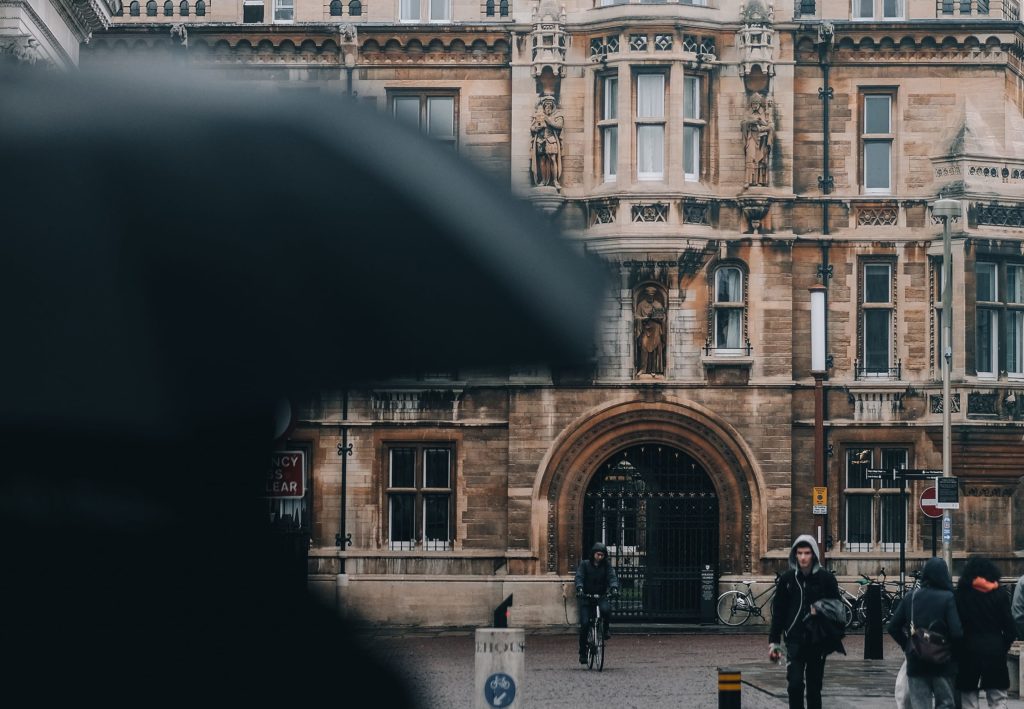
{"x": 821, "y": 496}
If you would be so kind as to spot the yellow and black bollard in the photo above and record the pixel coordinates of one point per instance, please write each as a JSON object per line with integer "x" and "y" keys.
{"x": 728, "y": 688}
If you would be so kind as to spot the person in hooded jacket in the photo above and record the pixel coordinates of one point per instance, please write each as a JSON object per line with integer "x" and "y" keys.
{"x": 595, "y": 575}
{"x": 931, "y": 606}
{"x": 796, "y": 592}
{"x": 984, "y": 608}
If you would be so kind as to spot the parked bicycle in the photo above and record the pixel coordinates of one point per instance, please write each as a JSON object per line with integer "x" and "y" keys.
{"x": 595, "y": 633}
{"x": 891, "y": 594}
{"x": 736, "y": 607}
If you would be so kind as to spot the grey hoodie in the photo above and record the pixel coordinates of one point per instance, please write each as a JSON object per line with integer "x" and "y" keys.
{"x": 805, "y": 539}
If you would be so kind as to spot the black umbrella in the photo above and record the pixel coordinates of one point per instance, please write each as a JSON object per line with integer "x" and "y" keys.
{"x": 176, "y": 255}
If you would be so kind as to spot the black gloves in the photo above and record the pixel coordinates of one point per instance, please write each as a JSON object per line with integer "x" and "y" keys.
{"x": 579, "y": 593}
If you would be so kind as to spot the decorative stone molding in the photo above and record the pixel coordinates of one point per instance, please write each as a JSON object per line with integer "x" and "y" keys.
{"x": 650, "y": 213}
{"x": 756, "y": 211}
{"x": 994, "y": 490}
{"x": 997, "y": 215}
{"x": 548, "y": 40}
{"x": 398, "y": 405}
{"x": 603, "y": 212}
{"x": 695, "y": 212}
{"x": 876, "y": 404}
{"x": 755, "y": 42}
{"x": 877, "y": 215}
{"x": 935, "y": 401}
{"x": 601, "y": 47}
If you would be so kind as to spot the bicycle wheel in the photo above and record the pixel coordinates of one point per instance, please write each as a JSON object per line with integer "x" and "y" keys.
{"x": 734, "y": 608}
{"x": 599, "y": 647}
{"x": 592, "y": 639}
{"x": 847, "y": 615}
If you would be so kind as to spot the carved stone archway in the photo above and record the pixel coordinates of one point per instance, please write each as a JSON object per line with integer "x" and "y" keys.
{"x": 593, "y": 438}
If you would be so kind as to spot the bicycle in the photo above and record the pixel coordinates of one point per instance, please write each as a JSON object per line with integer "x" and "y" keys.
{"x": 737, "y": 607}
{"x": 595, "y": 633}
{"x": 891, "y": 594}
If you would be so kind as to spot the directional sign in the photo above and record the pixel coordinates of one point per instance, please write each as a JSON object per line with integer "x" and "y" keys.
{"x": 928, "y": 500}
{"x": 948, "y": 497}
{"x": 905, "y": 473}
{"x": 947, "y": 530}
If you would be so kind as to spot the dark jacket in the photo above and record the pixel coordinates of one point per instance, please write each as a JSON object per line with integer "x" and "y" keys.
{"x": 794, "y": 594}
{"x": 988, "y": 634}
{"x": 596, "y": 578}
{"x": 1018, "y": 607}
{"x": 933, "y": 607}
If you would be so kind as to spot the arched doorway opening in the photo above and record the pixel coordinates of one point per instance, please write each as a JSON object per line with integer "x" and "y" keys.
{"x": 656, "y": 509}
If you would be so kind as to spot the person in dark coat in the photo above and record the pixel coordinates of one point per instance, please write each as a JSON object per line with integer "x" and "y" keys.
{"x": 595, "y": 575}
{"x": 984, "y": 608}
{"x": 1018, "y": 607}
{"x": 931, "y": 606}
{"x": 796, "y": 592}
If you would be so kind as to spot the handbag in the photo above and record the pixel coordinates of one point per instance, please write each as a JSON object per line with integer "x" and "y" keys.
{"x": 926, "y": 644}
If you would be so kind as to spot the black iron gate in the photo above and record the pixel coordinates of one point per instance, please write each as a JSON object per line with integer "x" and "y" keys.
{"x": 657, "y": 510}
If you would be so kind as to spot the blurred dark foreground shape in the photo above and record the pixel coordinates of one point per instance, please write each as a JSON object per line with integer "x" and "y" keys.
{"x": 175, "y": 257}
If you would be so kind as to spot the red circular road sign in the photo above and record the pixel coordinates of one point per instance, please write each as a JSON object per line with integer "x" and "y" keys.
{"x": 929, "y": 500}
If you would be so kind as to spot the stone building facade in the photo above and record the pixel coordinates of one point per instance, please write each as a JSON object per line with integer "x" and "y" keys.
{"x": 723, "y": 159}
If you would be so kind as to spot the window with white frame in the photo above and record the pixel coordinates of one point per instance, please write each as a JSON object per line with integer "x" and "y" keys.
{"x": 431, "y": 112}
{"x": 693, "y": 127}
{"x": 999, "y": 319}
{"x": 417, "y": 10}
{"x": 284, "y": 10}
{"x": 876, "y": 319}
{"x": 608, "y": 124}
{"x": 419, "y": 497}
{"x": 650, "y": 126}
{"x": 873, "y": 517}
{"x": 877, "y": 9}
{"x": 877, "y": 143}
{"x": 728, "y": 310}
{"x": 252, "y": 11}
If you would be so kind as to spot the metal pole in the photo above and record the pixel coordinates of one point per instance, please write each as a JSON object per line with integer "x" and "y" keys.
{"x": 903, "y": 529}
{"x": 819, "y": 453}
{"x": 947, "y": 357}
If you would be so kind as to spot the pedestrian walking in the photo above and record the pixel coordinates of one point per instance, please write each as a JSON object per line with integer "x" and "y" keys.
{"x": 795, "y": 608}
{"x": 931, "y": 607}
{"x": 984, "y": 608}
{"x": 595, "y": 575}
{"x": 1018, "y": 607}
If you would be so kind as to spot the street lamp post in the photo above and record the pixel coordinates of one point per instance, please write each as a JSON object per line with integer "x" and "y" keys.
{"x": 946, "y": 209}
{"x": 818, "y": 370}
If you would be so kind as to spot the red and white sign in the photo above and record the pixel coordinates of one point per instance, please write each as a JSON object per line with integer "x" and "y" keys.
{"x": 287, "y": 475}
{"x": 929, "y": 500}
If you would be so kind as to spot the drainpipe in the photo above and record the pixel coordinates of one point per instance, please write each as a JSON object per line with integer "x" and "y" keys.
{"x": 343, "y": 539}
{"x": 826, "y": 183}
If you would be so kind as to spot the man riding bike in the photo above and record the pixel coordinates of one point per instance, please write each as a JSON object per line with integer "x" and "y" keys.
{"x": 595, "y": 576}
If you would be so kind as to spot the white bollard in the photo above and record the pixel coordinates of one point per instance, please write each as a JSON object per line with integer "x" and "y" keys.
{"x": 500, "y": 668}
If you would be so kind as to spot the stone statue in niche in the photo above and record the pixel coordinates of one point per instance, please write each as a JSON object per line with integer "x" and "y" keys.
{"x": 649, "y": 323}
{"x": 758, "y": 136}
{"x": 546, "y": 132}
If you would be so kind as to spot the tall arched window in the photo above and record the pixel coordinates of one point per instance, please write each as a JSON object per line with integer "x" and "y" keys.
{"x": 355, "y": 8}
{"x": 490, "y": 8}
{"x": 183, "y": 8}
{"x": 168, "y": 9}
{"x": 133, "y": 8}
{"x": 503, "y": 8}
{"x": 728, "y": 310}
{"x": 151, "y": 8}
{"x": 335, "y": 8}
{"x": 200, "y": 8}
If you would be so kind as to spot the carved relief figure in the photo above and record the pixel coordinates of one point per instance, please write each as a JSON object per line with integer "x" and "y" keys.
{"x": 758, "y": 136}
{"x": 546, "y": 130}
{"x": 649, "y": 333}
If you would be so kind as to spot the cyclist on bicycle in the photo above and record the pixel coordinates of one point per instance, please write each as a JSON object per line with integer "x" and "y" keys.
{"x": 595, "y": 575}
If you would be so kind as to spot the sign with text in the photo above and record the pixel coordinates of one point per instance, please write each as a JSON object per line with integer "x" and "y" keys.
{"x": 286, "y": 478}
{"x": 948, "y": 494}
{"x": 819, "y": 503}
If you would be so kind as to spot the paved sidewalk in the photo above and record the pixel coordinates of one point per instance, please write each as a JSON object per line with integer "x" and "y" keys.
{"x": 646, "y": 668}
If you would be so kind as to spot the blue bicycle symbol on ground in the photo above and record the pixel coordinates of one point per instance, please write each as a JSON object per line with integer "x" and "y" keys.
{"x": 500, "y": 690}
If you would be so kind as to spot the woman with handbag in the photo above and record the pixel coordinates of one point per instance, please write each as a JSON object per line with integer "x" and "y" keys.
{"x": 925, "y": 624}
{"x": 984, "y": 608}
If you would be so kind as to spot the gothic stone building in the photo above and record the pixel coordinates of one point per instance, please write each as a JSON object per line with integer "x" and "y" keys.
{"x": 724, "y": 160}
